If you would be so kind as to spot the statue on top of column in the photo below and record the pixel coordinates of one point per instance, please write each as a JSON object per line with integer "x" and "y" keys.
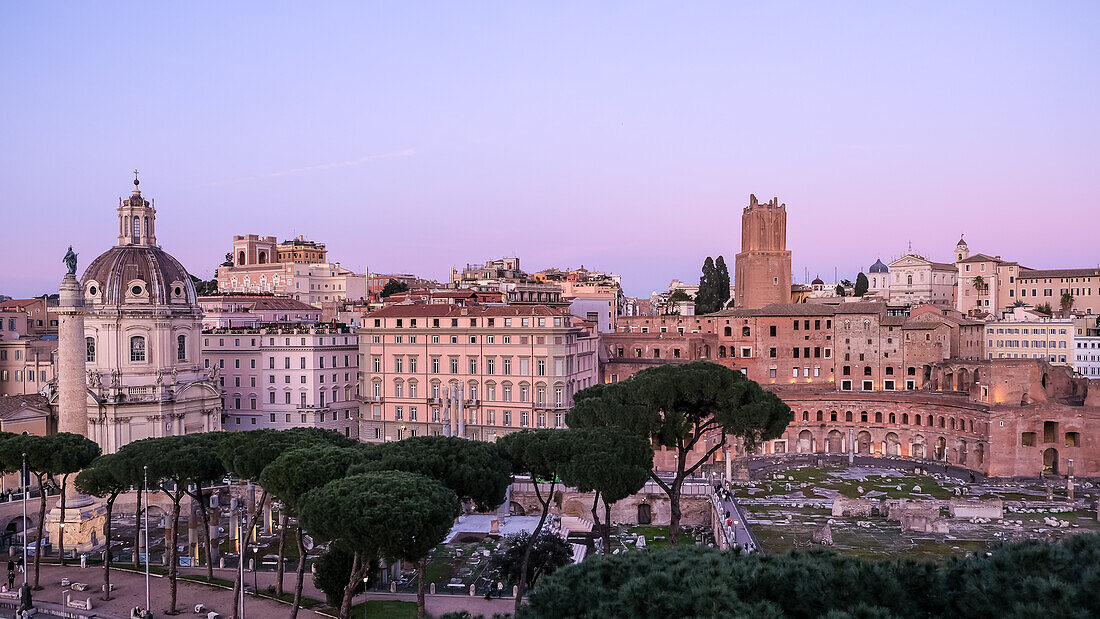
{"x": 70, "y": 260}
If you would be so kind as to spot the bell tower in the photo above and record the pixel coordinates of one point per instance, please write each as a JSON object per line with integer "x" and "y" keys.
{"x": 136, "y": 219}
{"x": 763, "y": 268}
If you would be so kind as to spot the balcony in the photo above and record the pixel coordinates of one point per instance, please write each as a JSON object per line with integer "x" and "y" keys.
{"x": 435, "y": 401}
{"x": 470, "y": 403}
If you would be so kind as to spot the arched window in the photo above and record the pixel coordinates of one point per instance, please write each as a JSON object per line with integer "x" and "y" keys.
{"x": 91, "y": 348}
{"x": 728, "y": 332}
{"x": 263, "y": 257}
{"x": 910, "y": 280}
{"x": 137, "y": 227}
{"x": 181, "y": 348}
{"x": 137, "y": 348}
{"x": 240, "y": 259}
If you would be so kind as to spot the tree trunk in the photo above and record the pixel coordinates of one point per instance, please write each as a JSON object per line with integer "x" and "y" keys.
{"x": 237, "y": 574}
{"x": 596, "y": 518}
{"x": 607, "y": 528}
{"x": 137, "y": 528}
{"x": 421, "y": 603}
{"x": 522, "y": 580}
{"x": 107, "y": 557}
{"x": 205, "y": 536}
{"x": 280, "y": 568}
{"x": 38, "y": 550}
{"x": 61, "y": 523}
{"x": 674, "y": 511}
{"x": 353, "y": 582}
{"x": 301, "y": 572}
{"x": 170, "y": 542}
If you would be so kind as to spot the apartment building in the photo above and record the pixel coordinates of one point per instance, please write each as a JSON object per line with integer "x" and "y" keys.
{"x": 286, "y": 377}
{"x": 479, "y": 372}
{"x": 1027, "y": 334}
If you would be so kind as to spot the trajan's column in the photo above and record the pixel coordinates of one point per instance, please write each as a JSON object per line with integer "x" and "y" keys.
{"x": 84, "y": 517}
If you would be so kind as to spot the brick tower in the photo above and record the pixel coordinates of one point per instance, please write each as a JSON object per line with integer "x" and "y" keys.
{"x": 763, "y": 268}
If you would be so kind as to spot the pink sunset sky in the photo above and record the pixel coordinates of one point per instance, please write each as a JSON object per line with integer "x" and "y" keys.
{"x": 412, "y": 137}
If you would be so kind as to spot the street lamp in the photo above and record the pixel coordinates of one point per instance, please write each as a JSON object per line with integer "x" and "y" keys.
{"x": 146, "y": 497}
{"x": 25, "y": 519}
{"x": 241, "y": 511}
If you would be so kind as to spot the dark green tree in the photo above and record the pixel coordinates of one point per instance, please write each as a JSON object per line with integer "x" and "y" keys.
{"x": 697, "y": 581}
{"x": 840, "y": 290}
{"x": 393, "y": 287}
{"x": 1066, "y": 302}
{"x": 295, "y": 473}
{"x": 542, "y": 455}
{"x": 99, "y": 480}
{"x": 1044, "y": 308}
{"x": 706, "y": 300}
{"x": 174, "y": 463}
{"x": 610, "y": 462}
{"x": 39, "y": 454}
{"x": 246, "y": 454}
{"x": 862, "y": 285}
{"x": 671, "y": 304}
{"x": 722, "y": 286}
{"x": 387, "y": 514}
{"x": 679, "y": 407}
{"x": 475, "y": 471}
{"x": 548, "y": 553}
{"x": 332, "y": 571}
{"x": 71, "y": 453}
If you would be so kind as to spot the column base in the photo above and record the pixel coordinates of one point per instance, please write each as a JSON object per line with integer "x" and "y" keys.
{"x": 84, "y": 525}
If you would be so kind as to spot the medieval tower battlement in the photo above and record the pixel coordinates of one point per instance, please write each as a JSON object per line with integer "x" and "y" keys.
{"x": 763, "y": 267}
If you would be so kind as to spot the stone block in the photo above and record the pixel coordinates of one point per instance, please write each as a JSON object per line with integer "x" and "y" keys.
{"x": 921, "y": 523}
{"x": 844, "y": 506}
{"x": 963, "y": 508}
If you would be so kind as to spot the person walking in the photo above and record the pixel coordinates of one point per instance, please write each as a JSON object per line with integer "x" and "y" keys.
{"x": 11, "y": 574}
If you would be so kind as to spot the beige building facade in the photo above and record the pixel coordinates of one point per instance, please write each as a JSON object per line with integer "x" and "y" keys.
{"x": 479, "y": 372}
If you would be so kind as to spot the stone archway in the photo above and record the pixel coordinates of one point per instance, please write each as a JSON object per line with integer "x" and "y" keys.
{"x": 805, "y": 442}
{"x": 863, "y": 442}
{"x": 892, "y": 444}
{"x": 1050, "y": 461}
{"x": 964, "y": 380}
{"x": 941, "y": 448}
{"x": 834, "y": 442}
{"x": 917, "y": 449}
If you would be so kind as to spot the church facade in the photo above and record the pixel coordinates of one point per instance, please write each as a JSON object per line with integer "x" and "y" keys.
{"x": 141, "y": 326}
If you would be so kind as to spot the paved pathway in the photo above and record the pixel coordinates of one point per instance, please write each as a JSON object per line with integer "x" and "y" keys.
{"x": 130, "y": 592}
{"x": 733, "y": 520}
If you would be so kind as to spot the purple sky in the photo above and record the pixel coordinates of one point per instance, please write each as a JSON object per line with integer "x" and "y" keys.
{"x": 413, "y": 137}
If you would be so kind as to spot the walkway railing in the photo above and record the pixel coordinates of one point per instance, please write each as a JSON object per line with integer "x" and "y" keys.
{"x": 734, "y": 526}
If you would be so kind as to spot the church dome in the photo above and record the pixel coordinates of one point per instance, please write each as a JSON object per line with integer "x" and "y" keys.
{"x": 137, "y": 271}
{"x": 137, "y": 274}
{"x": 879, "y": 267}
{"x": 817, "y": 282}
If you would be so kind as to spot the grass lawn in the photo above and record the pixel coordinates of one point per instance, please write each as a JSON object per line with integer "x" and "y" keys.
{"x": 384, "y": 609}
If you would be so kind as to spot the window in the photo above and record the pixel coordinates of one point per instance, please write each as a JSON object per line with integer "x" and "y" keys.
{"x": 772, "y": 330}
{"x": 1027, "y": 439}
{"x": 454, "y": 365}
{"x": 137, "y": 348}
{"x": 90, "y": 343}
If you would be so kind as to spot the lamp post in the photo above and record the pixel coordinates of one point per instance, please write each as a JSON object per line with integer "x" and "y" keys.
{"x": 146, "y": 497}
{"x": 241, "y": 511}
{"x": 24, "y": 480}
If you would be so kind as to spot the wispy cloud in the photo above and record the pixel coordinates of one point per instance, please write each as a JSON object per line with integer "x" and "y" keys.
{"x": 408, "y": 152}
